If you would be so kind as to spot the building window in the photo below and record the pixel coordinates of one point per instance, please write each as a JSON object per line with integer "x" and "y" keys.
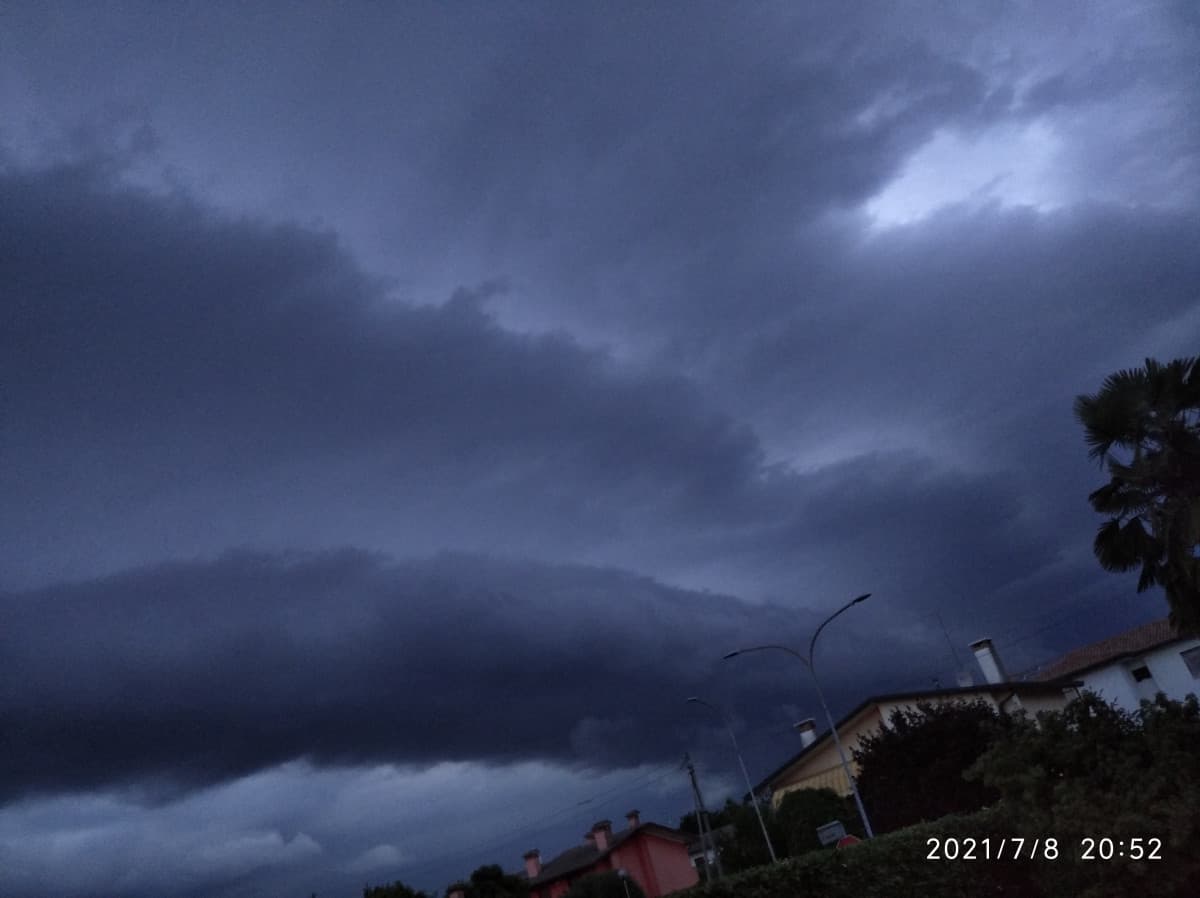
{"x": 1140, "y": 673}
{"x": 1192, "y": 659}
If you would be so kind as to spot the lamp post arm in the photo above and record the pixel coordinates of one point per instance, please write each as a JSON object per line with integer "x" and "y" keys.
{"x": 837, "y": 741}
{"x": 781, "y": 648}
{"x": 812, "y": 643}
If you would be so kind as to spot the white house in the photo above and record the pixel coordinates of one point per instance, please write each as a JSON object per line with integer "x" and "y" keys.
{"x": 1133, "y": 665}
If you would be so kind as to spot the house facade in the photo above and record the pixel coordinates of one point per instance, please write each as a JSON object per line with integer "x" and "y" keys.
{"x": 1134, "y": 665}
{"x": 1123, "y": 669}
{"x": 818, "y": 764}
{"x": 654, "y": 856}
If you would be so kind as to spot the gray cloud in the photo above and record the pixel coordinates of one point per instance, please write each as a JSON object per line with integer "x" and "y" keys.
{"x": 186, "y": 674}
{"x": 299, "y": 829}
{"x": 180, "y": 675}
{"x": 234, "y": 383}
{"x": 182, "y": 350}
{"x": 203, "y": 382}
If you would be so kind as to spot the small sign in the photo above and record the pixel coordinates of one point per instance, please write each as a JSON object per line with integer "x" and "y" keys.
{"x": 831, "y": 832}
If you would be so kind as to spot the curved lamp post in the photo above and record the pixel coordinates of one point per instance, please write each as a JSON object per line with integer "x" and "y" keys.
{"x": 749, "y": 786}
{"x": 808, "y": 663}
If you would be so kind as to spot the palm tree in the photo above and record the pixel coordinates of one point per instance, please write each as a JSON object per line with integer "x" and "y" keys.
{"x": 1145, "y": 424}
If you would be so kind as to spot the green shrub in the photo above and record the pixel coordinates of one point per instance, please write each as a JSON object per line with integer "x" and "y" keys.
{"x": 1095, "y": 771}
{"x": 803, "y": 810}
{"x": 931, "y": 743}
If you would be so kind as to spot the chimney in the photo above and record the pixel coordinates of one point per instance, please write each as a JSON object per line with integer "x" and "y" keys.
{"x": 602, "y": 834}
{"x": 634, "y": 819}
{"x": 989, "y": 661}
{"x": 458, "y": 890}
{"x": 533, "y": 863}
{"x": 807, "y": 730}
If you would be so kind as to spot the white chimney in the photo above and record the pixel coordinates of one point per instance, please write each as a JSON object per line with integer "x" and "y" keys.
{"x": 808, "y": 731}
{"x": 989, "y": 661}
{"x": 533, "y": 863}
{"x": 634, "y": 819}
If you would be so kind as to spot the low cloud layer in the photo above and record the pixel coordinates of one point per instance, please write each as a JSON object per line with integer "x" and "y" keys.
{"x": 188, "y": 674}
{"x": 304, "y": 829}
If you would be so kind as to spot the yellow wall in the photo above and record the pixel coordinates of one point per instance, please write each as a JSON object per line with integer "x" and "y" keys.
{"x": 822, "y": 769}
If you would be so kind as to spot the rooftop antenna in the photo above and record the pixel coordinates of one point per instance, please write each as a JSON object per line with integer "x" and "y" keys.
{"x": 963, "y": 674}
{"x": 949, "y": 641}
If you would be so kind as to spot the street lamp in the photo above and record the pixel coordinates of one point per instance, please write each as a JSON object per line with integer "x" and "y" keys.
{"x": 745, "y": 773}
{"x": 624, "y": 877}
{"x": 808, "y": 663}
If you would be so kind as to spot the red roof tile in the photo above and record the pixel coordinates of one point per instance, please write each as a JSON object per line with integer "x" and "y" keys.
{"x": 1131, "y": 642}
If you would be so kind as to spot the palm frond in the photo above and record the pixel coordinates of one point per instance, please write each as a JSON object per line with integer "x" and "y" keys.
{"x": 1119, "y": 498}
{"x": 1115, "y": 416}
{"x": 1148, "y": 578}
{"x": 1152, "y": 499}
{"x": 1122, "y": 548}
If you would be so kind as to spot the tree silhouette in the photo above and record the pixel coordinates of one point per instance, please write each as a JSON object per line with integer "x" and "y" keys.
{"x": 1145, "y": 424}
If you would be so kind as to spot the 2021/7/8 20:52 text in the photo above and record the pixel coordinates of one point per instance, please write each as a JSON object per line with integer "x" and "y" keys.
{"x": 1138, "y": 848}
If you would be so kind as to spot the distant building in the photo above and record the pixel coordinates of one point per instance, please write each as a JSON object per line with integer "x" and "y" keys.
{"x": 654, "y": 856}
{"x": 1132, "y": 666}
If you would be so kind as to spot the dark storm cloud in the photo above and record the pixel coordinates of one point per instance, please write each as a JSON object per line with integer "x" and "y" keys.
{"x": 777, "y": 130}
{"x": 186, "y": 674}
{"x": 969, "y": 315}
{"x": 664, "y": 176}
{"x": 673, "y": 176}
{"x": 178, "y": 347}
{"x": 185, "y": 383}
{"x": 827, "y": 281}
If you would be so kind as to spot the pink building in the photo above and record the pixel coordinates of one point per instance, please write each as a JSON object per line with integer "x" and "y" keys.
{"x": 654, "y": 856}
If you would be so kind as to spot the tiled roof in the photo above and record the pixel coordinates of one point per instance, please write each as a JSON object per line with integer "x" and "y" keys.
{"x": 570, "y": 860}
{"x": 1131, "y": 642}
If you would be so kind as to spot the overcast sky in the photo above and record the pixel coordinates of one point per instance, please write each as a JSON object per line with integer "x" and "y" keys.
{"x": 404, "y": 406}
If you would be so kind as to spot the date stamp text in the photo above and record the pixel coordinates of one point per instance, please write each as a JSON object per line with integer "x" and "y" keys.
{"x": 1046, "y": 848}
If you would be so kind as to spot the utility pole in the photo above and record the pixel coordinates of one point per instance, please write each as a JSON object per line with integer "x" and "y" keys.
{"x": 745, "y": 773}
{"x": 687, "y": 765}
{"x": 702, "y": 819}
